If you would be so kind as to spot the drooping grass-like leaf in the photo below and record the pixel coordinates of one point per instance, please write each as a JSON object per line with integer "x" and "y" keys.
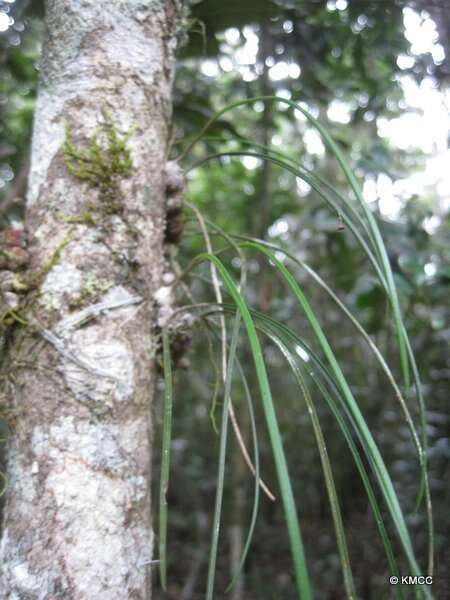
{"x": 222, "y": 457}
{"x": 165, "y": 457}
{"x": 315, "y": 181}
{"x": 375, "y": 234}
{"x": 251, "y": 527}
{"x": 392, "y": 504}
{"x": 281, "y": 334}
{"x": 372, "y": 451}
{"x": 341, "y": 210}
{"x": 257, "y": 486}
{"x": 327, "y": 472}
{"x": 367, "y": 233}
{"x": 299, "y": 562}
{"x": 424, "y": 484}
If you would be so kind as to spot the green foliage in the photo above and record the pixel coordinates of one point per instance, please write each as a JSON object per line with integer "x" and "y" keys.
{"x": 101, "y": 164}
{"x": 298, "y": 556}
{"x": 363, "y": 225}
{"x": 212, "y": 567}
{"x": 38, "y": 280}
{"x": 86, "y": 218}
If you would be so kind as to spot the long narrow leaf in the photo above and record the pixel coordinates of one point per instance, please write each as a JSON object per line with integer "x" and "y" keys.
{"x": 382, "y": 269}
{"x": 165, "y": 457}
{"x": 376, "y": 458}
{"x": 278, "y": 332}
{"x": 254, "y": 515}
{"x": 257, "y": 486}
{"x": 347, "y": 220}
{"x": 327, "y": 472}
{"x": 283, "y": 158}
{"x": 300, "y": 569}
{"x": 221, "y": 466}
{"x": 375, "y": 234}
{"x": 424, "y": 486}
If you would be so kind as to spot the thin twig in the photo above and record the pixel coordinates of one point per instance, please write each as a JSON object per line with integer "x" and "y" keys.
{"x": 56, "y": 337}
{"x": 77, "y": 358}
{"x": 215, "y": 284}
{"x": 94, "y": 311}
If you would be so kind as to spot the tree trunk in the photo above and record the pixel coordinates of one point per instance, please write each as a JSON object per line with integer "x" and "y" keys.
{"x": 78, "y": 377}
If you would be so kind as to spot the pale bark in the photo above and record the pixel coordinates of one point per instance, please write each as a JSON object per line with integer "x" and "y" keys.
{"x": 77, "y": 521}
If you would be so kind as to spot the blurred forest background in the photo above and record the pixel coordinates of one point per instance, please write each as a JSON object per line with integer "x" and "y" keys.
{"x": 377, "y": 74}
